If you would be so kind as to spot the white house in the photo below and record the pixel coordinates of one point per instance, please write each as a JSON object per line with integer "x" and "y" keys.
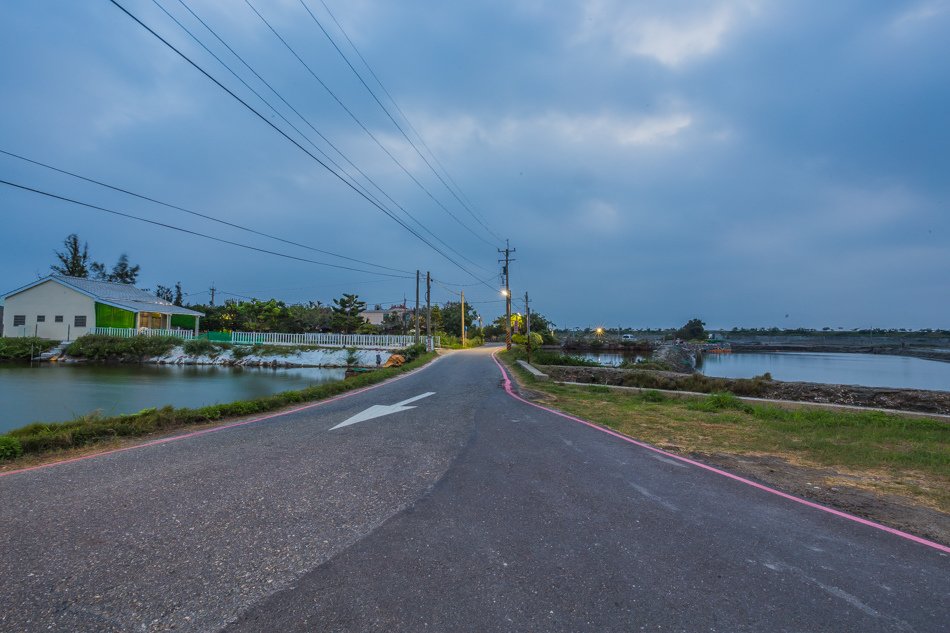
{"x": 375, "y": 317}
{"x": 63, "y": 308}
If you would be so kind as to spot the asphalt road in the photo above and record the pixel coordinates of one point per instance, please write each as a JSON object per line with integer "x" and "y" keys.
{"x": 472, "y": 511}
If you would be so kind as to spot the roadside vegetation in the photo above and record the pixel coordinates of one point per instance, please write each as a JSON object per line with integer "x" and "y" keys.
{"x": 98, "y": 347}
{"x": 39, "y": 438}
{"x": 449, "y": 341}
{"x": 17, "y": 349}
{"x": 95, "y": 347}
{"x": 892, "y": 454}
{"x": 544, "y": 357}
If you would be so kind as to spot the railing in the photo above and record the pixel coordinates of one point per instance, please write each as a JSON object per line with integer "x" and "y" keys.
{"x": 123, "y": 332}
{"x": 366, "y": 341}
{"x": 371, "y": 341}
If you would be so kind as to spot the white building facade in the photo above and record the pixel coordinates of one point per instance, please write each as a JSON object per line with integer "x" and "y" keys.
{"x": 64, "y": 308}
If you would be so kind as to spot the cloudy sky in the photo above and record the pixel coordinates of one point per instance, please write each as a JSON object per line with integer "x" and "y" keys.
{"x": 753, "y": 163}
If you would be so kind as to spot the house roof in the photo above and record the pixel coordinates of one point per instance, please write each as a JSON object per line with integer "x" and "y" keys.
{"x": 125, "y": 296}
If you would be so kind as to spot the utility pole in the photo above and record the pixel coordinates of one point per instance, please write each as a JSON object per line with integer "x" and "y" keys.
{"x": 428, "y": 311}
{"x": 212, "y": 293}
{"x": 417, "y": 308}
{"x": 463, "y": 319}
{"x": 508, "y": 250}
{"x": 527, "y": 320}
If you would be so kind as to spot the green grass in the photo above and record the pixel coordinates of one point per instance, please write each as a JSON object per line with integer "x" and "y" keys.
{"x": 41, "y": 438}
{"x": 910, "y": 455}
{"x": 14, "y": 349}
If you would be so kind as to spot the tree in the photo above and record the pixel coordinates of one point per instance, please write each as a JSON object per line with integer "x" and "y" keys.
{"x": 260, "y": 316}
{"x": 74, "y": 261}
{"x": 694, "y": 330}
{"x": 163, "y": 293}
{"x": 451, "y": 314}
{"x": 123, "y": 273}
{"x": 437, "y": 322}
{"x": 543, "y": 327}
{"x": 179, "y": 297}
{"x": 346, "y": 313}
{"x": 394, "y": 322}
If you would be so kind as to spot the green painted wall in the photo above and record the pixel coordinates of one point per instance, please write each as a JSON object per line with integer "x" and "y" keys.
{"x": 108, "y": 316}
{"x": 184, "y": 321}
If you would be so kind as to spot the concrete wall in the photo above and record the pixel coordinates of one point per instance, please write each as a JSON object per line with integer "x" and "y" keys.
{"x": 49, "y": 300}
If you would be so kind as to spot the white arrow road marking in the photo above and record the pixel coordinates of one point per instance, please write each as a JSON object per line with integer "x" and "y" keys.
{"x": 378, "y": 410}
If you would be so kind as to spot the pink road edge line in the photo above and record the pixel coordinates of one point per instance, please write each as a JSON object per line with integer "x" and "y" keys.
{"x": 223, "y": 427}
{"x": 748, "y": 482}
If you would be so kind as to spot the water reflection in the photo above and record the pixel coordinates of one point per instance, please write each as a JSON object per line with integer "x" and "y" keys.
{"x": 54, "y": 393}
{"x": 871, "y": 370}
{"x": 610, "y": 359}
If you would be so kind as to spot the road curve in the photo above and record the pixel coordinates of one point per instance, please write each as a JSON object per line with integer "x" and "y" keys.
{"x": 472, "y": 511}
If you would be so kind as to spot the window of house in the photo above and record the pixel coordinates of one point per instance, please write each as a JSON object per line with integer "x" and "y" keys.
{"x": 58, "y": 318}
{"x": 19, "y": 319}
{"x": 80, "y": 321}
{"x": 41, "y": 318}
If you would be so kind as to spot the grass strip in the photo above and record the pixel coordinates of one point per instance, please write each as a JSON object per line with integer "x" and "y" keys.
{"x": 39, "y": 438}
{"x": 892, "y": 453}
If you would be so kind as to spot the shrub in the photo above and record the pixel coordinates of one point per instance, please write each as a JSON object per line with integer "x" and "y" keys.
{"x": 201, "y": 347}
{"x": 413, "y": 351}
{"x": 100, "y": 347}
{"x": 241, "y": 351}
{"x": 10, "y": 448}
{"x": 651, "y": 365}
{"x": 21, "y": 348}
{"x": 352, "y": 357}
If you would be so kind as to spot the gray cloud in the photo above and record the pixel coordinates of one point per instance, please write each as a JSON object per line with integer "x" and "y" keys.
{"x": 738, "y": 161}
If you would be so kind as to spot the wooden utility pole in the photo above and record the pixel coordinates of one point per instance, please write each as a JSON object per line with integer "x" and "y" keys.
{"x": 212, "y": 293}
{"x": 417, "y": 308}
{"x": 527, "y": 321}
{"x": 428, "y": 311}
{"x": 463, "y": 319}
{"x": 508, "y": 250}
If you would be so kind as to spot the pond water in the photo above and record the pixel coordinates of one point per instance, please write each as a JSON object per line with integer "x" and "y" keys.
{"x": 870, "y": 370}
{"x": 48, "y": 392}
{"x": 608, "y": 359}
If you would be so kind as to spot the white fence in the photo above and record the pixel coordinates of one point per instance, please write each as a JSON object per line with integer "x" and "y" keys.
{"x": 370, "y": 341}
{"x": 123, "y": 332}
{"x": 366, "y": 341}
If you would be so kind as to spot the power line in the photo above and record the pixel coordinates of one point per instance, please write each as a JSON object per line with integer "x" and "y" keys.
{"x": 195, "y": 213}
{"x": 196, "y": 233}
{"x": 285, "y": 135}
{"x": 301, "y": 116}
{"x": 362, "y": 125}
{"x": 399, "y": 109}
{"x": 391, "y": 118}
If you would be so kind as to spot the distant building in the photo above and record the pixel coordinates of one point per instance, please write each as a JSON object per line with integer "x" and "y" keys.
{"x": 61, "y": 307}
{"x": 375, "y": 317}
